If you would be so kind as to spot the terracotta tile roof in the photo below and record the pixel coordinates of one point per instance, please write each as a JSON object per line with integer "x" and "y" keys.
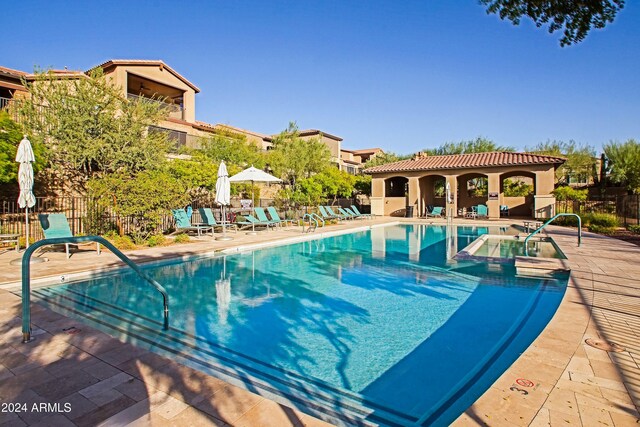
{"x": 462, "y": 161}
{"x": 11, "y": 72}
{"x": 157, "y": 62}
{"x": 311, "y": 132}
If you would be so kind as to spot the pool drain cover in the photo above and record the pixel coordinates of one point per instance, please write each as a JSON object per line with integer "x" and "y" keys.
{"x": 604, "y": 345}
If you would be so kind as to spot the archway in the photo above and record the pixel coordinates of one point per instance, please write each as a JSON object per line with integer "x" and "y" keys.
{"x": 395, "y": 195}
{"x": 432, "y": 193}
{"x": 517, "y": 189}
{"x": 472, "y": 190}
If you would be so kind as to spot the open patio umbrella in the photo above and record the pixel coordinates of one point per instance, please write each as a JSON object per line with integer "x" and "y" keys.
{"x": 26, "y": 200}
{"x": 223, "y": 196}
{"x": 253, "y": 175}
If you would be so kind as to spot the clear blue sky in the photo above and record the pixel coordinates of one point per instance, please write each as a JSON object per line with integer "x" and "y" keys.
{"x": 400, "y": 75}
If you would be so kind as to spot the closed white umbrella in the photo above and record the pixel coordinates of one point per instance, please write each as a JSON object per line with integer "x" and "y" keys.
{"x": 26, "y": 200}
{"x": 253, "y": 175}
{"x": 223, "y": 196}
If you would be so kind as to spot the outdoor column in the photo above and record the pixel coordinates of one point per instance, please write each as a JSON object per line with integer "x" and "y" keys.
{"x": 451, "y": 206}
{"x": 493, "y": 196}
{"x": 377, "y": 196}
{"x": 414, "y": 194}
{"x": 543, "y": 201}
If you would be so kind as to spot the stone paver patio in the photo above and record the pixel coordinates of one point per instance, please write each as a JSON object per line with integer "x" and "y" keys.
{"x": 76, "y": 375}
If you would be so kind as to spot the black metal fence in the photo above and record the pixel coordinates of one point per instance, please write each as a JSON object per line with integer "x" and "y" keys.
{"x": 626, "y": 208}
{"x": 87, "y": 216}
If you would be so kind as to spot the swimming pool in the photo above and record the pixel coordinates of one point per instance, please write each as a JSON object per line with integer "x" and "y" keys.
{"x": 374, "y": 327}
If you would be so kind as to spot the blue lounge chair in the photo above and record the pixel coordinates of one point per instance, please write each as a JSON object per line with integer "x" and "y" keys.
{"x": 56, "y": 225}
{"x": 262, "y": 217}
{"x": 338, "y": 215}
{"x": 355, "y": 210}
{"x": 349, "y": 213}
{"x": 275, "y": 217}
{"x": 183, "y": 223}
{"x": 504, "y": 210}
{"x": 252, "y": 221}
{"x": 482, "y": 211}
{"x": 209, "y": 219}
{"x": 325, "y": 215}
{"x": 436, "y": 212}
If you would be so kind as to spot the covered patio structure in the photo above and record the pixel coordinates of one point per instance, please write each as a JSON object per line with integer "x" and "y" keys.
{"x": 480, "y": 178}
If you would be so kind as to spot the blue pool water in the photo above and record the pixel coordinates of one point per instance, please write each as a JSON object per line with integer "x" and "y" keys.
{"x": 379, "y": 326}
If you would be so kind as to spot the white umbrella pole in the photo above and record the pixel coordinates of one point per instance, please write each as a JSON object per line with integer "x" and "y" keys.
{"x": 26, "y": 220}
{"x": 224, "y": 222}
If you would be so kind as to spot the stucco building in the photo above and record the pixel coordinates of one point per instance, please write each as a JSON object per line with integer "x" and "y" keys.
{"x": 418, "y": 183}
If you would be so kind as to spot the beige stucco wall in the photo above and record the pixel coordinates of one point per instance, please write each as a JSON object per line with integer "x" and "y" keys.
{"x": 119, "y": 74}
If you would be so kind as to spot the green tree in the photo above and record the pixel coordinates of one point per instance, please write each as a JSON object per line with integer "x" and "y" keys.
{"x": 363, "y": 184}
{"x": 294, "y": 158}
{"x": 234, "y": 150}
{"x": 10, "y": 137}
{"x": 574, "y": 18}
{"x": 385, "y": 158}
{"x": 624, "y": 163}
{"x": 478, "y": 145}
{"x": 517, "y": 188}
{"x": 145, "y": 196}
{"x": 90, "y": 128}
{"x": 581, "y": 160}
{"x": 335, "y": 183}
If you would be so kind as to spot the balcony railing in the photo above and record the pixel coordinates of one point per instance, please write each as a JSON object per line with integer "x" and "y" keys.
{"x": 175, "y": 111}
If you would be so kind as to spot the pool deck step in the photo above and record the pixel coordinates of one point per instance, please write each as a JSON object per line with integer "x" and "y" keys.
{"x": 528, "y": 266}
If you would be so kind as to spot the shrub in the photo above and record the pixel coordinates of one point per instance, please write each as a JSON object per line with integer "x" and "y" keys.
{"x": 120, "y": 242}
{"x": 600, "y": 220}
{"x": 594, "y": 228}
{"x": 181, "y": 238}
{"x": 156, "y": 240}
{"x": 634, "y": 228}
{"x": 568, "y": 193}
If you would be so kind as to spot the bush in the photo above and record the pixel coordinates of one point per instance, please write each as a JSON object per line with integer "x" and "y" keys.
{"x": 156, "y": 240}
{"x": 634, "y": 228}
{"x": 568, "y": 193}
{"x": 594, "y": 228}
{"x": 600, "y": 220}
{"x": 120, "y": 242}
{"x": 181, "y": 238}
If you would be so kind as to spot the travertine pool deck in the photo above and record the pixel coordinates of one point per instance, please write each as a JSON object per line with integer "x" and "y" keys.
{"x": 104, "y": 381}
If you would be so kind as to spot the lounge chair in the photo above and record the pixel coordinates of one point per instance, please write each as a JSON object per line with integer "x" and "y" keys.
{"x": 209, "y": 219}
{"x": 355, "y": 210}
{"x": 183, "y": 223}
{"x": 349, "y": 213}
{"x": 339, "y": 215}
{"x": 436, "y": 212}
{"x": 482, "y": 211}
{"x": 55, "y": 225}
{"x": 325, "y": 215}
{"x": 504, "y": 210}
{"x": 275, "y": 217}
{"x": 252, "y": 222}
{"x": 262, "y": 217}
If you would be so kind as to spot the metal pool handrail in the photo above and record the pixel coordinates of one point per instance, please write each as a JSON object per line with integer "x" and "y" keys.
{"x": 526, "y": 248}
{"x": 309, "y": 217}
{"x": 26, "y": 277}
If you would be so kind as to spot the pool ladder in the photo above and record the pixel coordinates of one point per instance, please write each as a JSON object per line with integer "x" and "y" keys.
{"x": 526, "y": 247}
{"x": 26, "y": 277}
{"x": 314, "y": 221}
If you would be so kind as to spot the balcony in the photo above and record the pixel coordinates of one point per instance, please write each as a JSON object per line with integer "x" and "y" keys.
{"x": 174, "y": 111}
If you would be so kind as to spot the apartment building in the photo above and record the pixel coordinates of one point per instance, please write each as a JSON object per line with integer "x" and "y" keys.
{"x": 156, "y": 81}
